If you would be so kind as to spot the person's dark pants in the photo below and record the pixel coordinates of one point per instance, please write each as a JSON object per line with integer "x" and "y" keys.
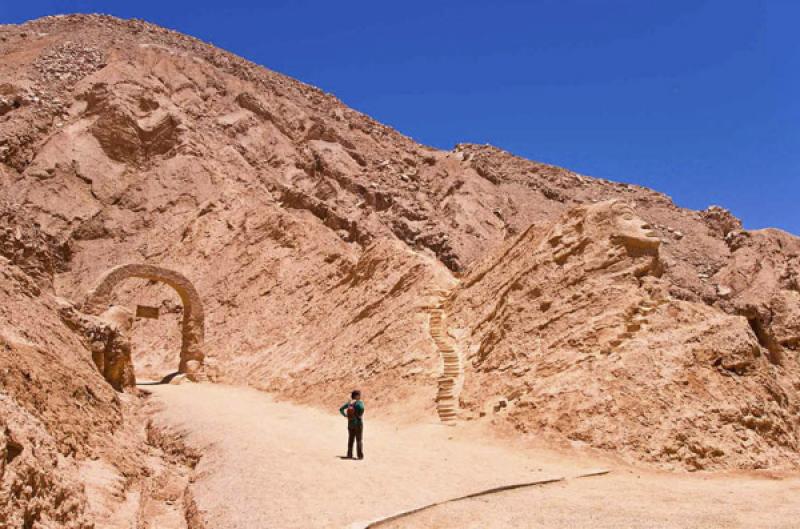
{"x": 355, "y": 433}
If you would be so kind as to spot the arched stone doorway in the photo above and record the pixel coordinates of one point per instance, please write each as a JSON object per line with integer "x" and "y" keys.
{"x": 193, "y": 326}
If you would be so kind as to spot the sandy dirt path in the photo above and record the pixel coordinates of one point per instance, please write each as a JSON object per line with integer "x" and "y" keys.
{"x": 270, "y": 464}
{"x": 626, "y": 500}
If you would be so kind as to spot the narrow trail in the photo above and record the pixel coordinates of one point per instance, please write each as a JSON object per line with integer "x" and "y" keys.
{"x": 268, "y": 464}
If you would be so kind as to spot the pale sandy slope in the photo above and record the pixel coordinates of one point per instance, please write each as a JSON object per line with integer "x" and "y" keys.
{"x": 271, "y": 464}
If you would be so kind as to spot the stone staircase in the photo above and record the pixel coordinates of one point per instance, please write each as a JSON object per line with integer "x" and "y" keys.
{"x": 450, "y": 377}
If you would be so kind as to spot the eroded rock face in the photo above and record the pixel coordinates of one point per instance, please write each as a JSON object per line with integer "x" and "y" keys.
{"x": 314, "y": 233}
{"x": 575, "y": 326}
{"x": 108, "y": 339}
{"x": 366, "y": 329}
{"x": 55, "y": 407}
{"x": 23, "y": 244}
{"x": 761, "y": 282}
{"x": 131, "y": 126}
{"x": 38, "y": 487}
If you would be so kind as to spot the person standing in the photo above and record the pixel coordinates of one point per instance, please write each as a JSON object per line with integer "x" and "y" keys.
{"x": 354, "y": 411}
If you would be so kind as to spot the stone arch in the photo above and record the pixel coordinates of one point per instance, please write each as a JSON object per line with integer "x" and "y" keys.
{"x": 193, "y": 325}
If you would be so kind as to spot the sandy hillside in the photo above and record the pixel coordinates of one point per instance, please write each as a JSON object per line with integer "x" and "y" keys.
{"x": 579, "y": 318}
{"x": 331, "y": 251}
{"x": 314, "y": 233}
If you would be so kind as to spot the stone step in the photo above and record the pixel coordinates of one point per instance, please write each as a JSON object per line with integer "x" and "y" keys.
{"x": 446, "y": 398}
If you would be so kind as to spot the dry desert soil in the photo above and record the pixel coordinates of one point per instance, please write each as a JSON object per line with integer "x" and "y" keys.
{"x": 171, "y": 212}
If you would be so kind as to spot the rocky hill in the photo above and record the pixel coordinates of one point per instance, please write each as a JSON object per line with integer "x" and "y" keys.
{"x": 320, "y": 239}
{"x": 580, "y": 319}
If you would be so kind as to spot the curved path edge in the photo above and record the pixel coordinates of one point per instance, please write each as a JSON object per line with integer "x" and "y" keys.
{"x": 494, "y": 490}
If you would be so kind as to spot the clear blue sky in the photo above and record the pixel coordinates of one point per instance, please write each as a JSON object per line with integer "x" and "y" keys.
{"x": 698, "y": 99}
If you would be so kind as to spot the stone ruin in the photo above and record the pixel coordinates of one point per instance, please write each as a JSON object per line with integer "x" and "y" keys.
{"x": 118, "y": 370}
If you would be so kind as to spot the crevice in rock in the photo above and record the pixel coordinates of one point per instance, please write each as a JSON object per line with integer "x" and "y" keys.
{"x": 766, "y": 340}
{"x": 13, "y": 449}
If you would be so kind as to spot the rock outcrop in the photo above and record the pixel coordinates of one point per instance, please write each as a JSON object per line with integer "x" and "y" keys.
{"x": 313, "y": 233}
{"x": 578, "y": 318}
{"x": 55, "y": 407}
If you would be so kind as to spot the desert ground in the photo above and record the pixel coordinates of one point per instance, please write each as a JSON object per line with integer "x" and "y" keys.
{"x": 268, "y": 463}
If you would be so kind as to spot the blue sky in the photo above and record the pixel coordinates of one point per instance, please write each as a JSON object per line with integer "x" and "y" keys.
{"x": 697, "y": 99}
